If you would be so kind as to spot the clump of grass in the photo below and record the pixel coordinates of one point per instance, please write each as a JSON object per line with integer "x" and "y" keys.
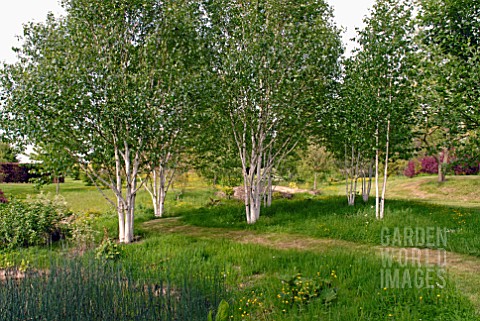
{"x": 89, "y": 290}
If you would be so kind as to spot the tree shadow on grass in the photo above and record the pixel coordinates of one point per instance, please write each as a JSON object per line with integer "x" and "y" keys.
{"x": 331, "y": 217}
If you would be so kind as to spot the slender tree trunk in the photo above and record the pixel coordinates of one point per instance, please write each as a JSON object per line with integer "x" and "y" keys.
{"x": 357, "y": 171}
{"x": 377, "y": 207}
{"x": 128, "y": 196}
{"x": 57, "y": 187}
{"x": 161, "y": 180}
{"x": 247, "y": 198}
{"x": 132, "y": 208}
{"x": 269, "y": 166}
{"x": 351, "y": 175}
{"x": 155, "y": 191}
{"x": 367, "y": 183}
{"x": 347, "y": 175}
{"x": 270, "y": 190}
{"x": 315, "y": 181}
{"x": 351, "y": 194}
{"x": 385, "y": 174}
{"x": 161, "y": 191}
{"x": 364, "y": 183}
{"x": 161, "y": 200}
{"x": 120, "y": 201}
{"x": 442, "y": 165}
{"x": 247, "y": 184}
{"x": 264, "y": 193}
{"x": 131, "y": 171}
{"x": 128, "y": 220}
{"x": 445, "y": 163}
{"x": 441, "y": 176}
{"x": 255, "y": 201}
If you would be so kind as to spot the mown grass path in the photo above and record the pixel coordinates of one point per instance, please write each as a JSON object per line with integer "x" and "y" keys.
{"x": 464, "y": 270}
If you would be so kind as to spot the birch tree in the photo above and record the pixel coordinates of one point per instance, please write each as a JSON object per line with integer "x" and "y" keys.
{"x": 171, "y": 68}
{"x": 349, "y": 131}
{"x": 385, "y": 54}
{"x": 273, "y": 62}
{"x": 88, "y": 84}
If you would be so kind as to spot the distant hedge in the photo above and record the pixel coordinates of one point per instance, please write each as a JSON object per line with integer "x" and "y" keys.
{"x": 20, "y": 173}
{"x": 13, "y": 173}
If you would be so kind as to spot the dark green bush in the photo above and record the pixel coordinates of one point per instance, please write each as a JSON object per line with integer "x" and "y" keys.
{"x": 32, "y": 222}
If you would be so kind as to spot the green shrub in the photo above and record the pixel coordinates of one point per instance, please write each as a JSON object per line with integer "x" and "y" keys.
{"x": 108, "y": 250}
{"x": 299, "y": 290}
{"x": 32, "y": 222}
{"x": 228, "y": 190}
{"x": 81, "y": 230}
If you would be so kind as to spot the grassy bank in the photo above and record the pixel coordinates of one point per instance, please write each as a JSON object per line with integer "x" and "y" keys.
{"x": 310, "y": 258}
{"x": 329, "y": 217}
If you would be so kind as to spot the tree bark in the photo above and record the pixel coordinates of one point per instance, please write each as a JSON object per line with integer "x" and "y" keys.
{"x": 270, "y": 190}
{"x": 442, "y": 166}
{"x": 128, "y": 217}
{"x": 385, "y": 174}
{"x": 118, "y": 194}
{"x": 377, "y": 203}
{"x": 160, "y": 192}
{"x": 367, "y": 184}
{"x": 352, "y": 171}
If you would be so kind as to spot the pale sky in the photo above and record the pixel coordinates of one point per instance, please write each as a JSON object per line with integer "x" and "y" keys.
{"x": 14, "y": 13}
{"x": 350, "y": 14}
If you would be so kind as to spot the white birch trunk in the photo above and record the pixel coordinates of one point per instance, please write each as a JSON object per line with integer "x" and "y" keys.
{"x": 160, "y": 190}
{"x": 351, "y": 175}
{"x": 162, "y": 193}
{"x": 377, "y": 207}
{"x": 367, "y": 184}
{"x": 269, "y": 189}
{"x": 128, "y": 218}
{"x": 158, "y": 183}
{"x": 120, "y": 201}
{"x": 385, "y": 173}
{"x": 131, "y": 171}
{"x": 259, "y": 187}
{"x": 247, "y": 173}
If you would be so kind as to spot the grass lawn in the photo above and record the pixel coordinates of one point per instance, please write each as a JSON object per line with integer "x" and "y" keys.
{"x": 310, "y": 258}
{"x": 463, "y": 191}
